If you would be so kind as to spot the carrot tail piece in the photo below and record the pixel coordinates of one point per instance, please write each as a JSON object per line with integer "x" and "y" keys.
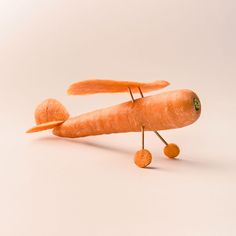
{"x": 48, "y": 115}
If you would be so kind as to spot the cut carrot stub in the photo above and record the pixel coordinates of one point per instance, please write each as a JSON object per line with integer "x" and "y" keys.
{"x": 113, "y": 86}
{"x": 171, "y": 150}
{"x": 45, "y": 126}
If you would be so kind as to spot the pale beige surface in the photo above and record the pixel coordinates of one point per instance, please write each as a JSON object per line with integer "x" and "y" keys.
{"x": 90, "y": 186}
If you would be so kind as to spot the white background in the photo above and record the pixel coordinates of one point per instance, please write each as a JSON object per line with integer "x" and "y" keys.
{"x": 90, "y": 186}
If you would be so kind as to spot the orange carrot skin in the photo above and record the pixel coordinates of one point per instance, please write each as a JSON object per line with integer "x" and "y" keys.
{"x": 169, "y": 110}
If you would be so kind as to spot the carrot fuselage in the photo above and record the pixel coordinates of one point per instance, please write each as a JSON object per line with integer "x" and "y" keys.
{"x": 169, "y": 110}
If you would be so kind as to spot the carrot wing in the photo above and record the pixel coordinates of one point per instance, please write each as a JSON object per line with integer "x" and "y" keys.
{"x": 113, "y": 86}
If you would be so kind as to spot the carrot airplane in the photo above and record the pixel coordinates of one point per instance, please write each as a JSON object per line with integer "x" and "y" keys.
{"x": 167, "y": 110}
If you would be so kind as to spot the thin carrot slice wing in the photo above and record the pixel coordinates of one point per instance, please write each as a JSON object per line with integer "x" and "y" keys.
{"x": 45, "y": 126}
{"x": 113, "y": 86}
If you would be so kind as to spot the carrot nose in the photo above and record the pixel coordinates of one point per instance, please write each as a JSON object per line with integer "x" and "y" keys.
{"x": 50, "y": 110}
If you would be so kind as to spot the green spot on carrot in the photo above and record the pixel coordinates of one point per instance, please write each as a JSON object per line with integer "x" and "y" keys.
{"x": 197, "y": 104}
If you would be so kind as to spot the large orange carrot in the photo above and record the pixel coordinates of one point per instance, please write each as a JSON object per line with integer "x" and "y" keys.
{"x": 174, "y": 109}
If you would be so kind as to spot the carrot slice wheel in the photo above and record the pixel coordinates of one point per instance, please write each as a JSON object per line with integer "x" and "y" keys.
{"x": 171, "y": 150}
{"x": 142, "y": 158}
